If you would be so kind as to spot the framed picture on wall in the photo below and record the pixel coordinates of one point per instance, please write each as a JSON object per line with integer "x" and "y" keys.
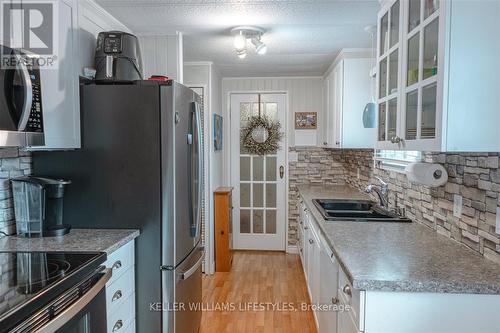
{"x": 217, "y": 132}
{"x": 306, "y": 120}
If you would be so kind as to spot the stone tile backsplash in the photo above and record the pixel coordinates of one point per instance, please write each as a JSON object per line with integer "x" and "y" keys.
{"x": 13, "y": 163}
{"x": 474, "y": 176}
{"x": 313, "y": 166}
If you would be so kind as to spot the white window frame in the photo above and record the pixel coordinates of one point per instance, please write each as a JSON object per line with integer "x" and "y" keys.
{"x": 396, "y": 160}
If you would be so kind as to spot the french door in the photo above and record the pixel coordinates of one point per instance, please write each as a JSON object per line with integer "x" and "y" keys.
{"x": 259, "y": 181}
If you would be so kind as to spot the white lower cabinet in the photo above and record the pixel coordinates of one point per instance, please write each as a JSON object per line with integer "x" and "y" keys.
{"x": 328, "y": 296}
{"x": 313, "y": 272}
{"x": 120, "y": 290}
{"x": 340, "y": 308}
{"x": 345, "y": 324}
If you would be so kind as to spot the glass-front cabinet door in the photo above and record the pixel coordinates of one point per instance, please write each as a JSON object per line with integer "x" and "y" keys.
{"x": 421, "y": 71}
{"x": 388, "y": 62}
{"x": 409, "y": 75}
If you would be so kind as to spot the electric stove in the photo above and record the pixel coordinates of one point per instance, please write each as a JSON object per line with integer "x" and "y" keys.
{"x": 31, "y": 280}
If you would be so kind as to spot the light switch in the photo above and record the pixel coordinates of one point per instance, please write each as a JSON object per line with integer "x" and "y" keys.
{"x": 457, "y": 206}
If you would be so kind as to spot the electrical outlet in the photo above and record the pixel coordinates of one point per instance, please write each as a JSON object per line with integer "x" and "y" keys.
{"x": 457, "y": 205}
{"x": 497, "y": 229}
{"x": 358, "y": 174}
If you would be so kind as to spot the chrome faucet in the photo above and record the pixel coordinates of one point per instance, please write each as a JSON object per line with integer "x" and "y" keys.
{"x": 382, "y": 191}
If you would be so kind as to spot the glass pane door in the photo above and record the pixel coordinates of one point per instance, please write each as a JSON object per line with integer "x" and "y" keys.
{"x": 257, "y": 179}
{"x": 259, "y": 212}
{"x": 388, "y": 72}
{"x": 422, "y": 67}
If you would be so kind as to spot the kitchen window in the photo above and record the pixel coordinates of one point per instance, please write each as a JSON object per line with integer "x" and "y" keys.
{"x": 396, "y": 160}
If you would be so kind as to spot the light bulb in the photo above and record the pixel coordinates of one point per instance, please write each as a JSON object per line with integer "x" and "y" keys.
{"x": 242, "y": 54}
{"x": 240, "y": 42}
{"x": 260, "y": 47}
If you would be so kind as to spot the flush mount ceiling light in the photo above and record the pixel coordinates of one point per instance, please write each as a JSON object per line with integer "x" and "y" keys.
{"x": 242, "y": 34}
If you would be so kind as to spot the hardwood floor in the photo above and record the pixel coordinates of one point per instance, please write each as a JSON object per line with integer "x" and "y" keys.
{"x": 242, "y": 300}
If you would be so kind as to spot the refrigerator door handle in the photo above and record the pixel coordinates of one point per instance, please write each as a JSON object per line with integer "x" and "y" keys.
{"x": 195, "y": 212}
{"x": 200, "y": 169}
{"x": 186, "y": 274}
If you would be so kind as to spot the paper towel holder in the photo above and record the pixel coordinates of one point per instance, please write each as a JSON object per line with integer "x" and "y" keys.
{"x": 429, "y": 174}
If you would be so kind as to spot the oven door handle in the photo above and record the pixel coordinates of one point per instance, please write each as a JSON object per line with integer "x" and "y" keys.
{"x": 78, "y": 306}
{"x": 28, "y": 96}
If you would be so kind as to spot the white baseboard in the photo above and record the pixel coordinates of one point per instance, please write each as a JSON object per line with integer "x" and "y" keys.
{"x": 292, "y": 249}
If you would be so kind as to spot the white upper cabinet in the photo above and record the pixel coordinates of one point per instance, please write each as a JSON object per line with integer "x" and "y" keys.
{"x": 347, "y": 89}
{"x": 436, "y": 87}
{"x": 79, "y": 22}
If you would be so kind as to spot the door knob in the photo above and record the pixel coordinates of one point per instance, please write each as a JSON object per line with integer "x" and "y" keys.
{"x": 282, "y": 171}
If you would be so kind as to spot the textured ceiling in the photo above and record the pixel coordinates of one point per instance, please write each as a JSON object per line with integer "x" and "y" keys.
{"x": 303, "y": 36}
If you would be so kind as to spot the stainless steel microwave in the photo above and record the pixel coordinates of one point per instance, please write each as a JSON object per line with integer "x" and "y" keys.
{"x": 21, "y": 117}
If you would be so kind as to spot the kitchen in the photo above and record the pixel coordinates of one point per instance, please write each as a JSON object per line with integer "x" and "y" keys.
{"x": 260, "y": 166}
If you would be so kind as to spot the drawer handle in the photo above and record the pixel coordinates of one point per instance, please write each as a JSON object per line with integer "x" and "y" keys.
{"x": 311, "y": 241}
{"x": 117, "y": 295}
{"x": 306, "y": 228}
{"x": 118, "y": 325}
{"x": 117, "y": 264}
{"x": 347, "y": 290}
{"x": 335, "y": 300}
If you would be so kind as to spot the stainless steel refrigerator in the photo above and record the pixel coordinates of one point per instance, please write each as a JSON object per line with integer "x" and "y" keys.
{"x": 140, "y": 166}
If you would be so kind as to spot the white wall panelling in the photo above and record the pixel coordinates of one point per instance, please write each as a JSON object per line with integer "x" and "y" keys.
{"x": 162, "y": 55}
{"x": 304, "y": 95}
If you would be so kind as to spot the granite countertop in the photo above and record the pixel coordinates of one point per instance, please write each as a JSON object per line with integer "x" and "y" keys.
{"x": 402, "y": 257}
{"x": 81, "y": 240}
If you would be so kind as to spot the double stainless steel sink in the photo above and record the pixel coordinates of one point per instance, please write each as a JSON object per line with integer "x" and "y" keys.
{"x": 355, "y": 210}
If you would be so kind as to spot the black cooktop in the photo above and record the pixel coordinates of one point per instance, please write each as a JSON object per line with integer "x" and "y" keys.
{"x": 28, "y": 280}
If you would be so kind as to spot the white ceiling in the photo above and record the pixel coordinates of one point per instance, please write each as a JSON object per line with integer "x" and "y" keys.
{"x": 303, "y": 35}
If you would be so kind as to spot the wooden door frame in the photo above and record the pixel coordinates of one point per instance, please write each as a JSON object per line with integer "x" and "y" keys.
{"x": 287, "y": 248}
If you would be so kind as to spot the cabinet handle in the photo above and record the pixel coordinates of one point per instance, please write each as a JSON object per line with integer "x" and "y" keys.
{"x": 347, "y": 290}
{"x": 306, "y": 228}
{"x": 325, "y": 143}
{"x": 117, "y": 264}
{"x": 396, "y": 139}
{"x": 117, "y": 295}
{"x": 311, "y": 241}
{"x": 335, "y": 300}
{"x": 305, "y": 209}
{"x": 337, "y": 143}
{"x": 117, "y": 325}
